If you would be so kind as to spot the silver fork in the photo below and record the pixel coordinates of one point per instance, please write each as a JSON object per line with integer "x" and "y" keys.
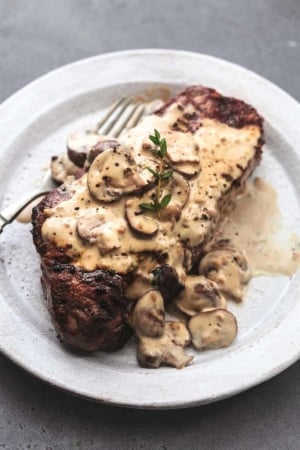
{"x": 122, "y": 115}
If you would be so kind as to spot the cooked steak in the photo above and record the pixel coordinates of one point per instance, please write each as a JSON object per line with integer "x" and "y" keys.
{"x": 94, "y": 239}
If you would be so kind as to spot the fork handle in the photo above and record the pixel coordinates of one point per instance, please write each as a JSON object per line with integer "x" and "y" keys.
{"x": 9, "y": 214}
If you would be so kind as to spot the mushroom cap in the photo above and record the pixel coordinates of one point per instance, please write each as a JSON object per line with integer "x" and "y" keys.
{"x": 213, "y": 329}
{"x": 228, "y": 268}
{"x": 62, "y": 167}
{"x": 88, "y": 227}
{"x": 138, "y": 220}
{"x": 179, "y": 188}
{"x": 199, "y": 294}
{"x": 78, "y": 145}
{"x": 114, "y": 173}
{"x": 167, "y": 349}
{"x": 183, "y": 154}
{"x": 100, "y": 147}
{"x": 106, "y": 235}
{"x": 148, "y": 317}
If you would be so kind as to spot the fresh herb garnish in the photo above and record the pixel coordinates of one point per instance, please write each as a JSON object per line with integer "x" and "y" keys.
{"x": 160, "y": 150}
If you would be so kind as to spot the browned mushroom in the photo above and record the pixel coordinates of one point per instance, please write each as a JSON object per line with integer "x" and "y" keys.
{"x": 168, "y": 349}
{"x": 228, "y": 268}
{"x": 114, "y": 173}
{"x": 179, "y": 189}
{"x": 78, "y": 145}
{"x": 199, "y": 294}
{"x": 62, "y": 167}
{"x": 139, "y": 221}
{"x": 148, "y": 317}
{"x": 100, "y": 147}
{"x": 213, "y": 329}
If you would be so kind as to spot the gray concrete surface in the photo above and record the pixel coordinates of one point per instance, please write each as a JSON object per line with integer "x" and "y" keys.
{"x": 37, "y": 36}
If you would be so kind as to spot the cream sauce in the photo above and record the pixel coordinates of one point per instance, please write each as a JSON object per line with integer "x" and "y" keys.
{"x": 257, "y": 226}
{"x": 221, "y": 154}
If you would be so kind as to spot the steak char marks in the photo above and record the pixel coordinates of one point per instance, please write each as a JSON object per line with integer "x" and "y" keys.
{"x": 89, "y": 309}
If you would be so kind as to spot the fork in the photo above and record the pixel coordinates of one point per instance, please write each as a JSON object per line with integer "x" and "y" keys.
{"x": 122, "y": 115}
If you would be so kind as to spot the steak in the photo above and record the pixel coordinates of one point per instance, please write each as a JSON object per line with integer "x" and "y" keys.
{"x": 88, "y": 302}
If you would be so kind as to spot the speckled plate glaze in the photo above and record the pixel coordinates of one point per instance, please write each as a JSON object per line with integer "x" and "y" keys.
{"x": 33, "y": 126}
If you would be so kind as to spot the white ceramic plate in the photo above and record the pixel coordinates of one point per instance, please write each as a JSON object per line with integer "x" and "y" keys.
{"x": 33, "y": 126}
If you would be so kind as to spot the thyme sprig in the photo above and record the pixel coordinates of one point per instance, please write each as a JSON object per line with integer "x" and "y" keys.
{"x": 160, "y": 151}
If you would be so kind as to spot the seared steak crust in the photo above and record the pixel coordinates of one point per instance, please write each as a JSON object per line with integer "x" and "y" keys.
{"x": 89, "y": 310}
{"x": 208, "y": 103}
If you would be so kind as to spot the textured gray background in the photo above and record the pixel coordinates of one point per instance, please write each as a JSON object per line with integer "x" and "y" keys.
{"x": 39, "y": 35}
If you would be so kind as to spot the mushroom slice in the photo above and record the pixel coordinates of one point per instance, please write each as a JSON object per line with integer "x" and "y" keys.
{"x": 168, "y": 349}
{"x": 141, "y": 282}
{"x": 179, "y": 188}
{"x": 183, "y": 154}
{"x": 88, "y": 227}
{"x": 188, "y": 169}
{"x": 100, "y": 147}
{"x": 78, "y": 145}
{"x": 62, "y": 167}
{"x": 114, "y": 173}
{"x": 228, "y": 268}
{"x": 138, "y": 220}
{"x": 110, "y": 235}
{"x": 148, "y": 317}
{"x": 106, "y": 235}
{"x": 199, "y": 294}
{"x": 182, "y": 148}
{"x": 213, "y": 329}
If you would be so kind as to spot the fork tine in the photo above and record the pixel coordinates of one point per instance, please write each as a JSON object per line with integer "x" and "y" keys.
{"x": 112, "y": 120}
{"x": 129, "y": 118}
{"x": 109, "y": 113}
{"x": 136, "y": 117}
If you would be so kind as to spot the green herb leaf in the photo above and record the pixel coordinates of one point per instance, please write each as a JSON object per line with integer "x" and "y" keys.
{"x": 165, "y": 200}
{"x": 160, "y": 151}
{"x": 154, "y": 140}
{"x": 163, "y": 147}
{"x": 157, "y": 134}
{"x": 166, "y": 175}
{"x": 147, "y": 206}
{"x": 155, "y": 174}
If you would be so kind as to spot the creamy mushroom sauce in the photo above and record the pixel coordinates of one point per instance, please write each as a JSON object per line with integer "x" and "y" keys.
{"x": 257, "y": 227}
{"x": 216, "y": 153}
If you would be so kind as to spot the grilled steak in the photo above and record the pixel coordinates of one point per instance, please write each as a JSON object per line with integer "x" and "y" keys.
{"x": 95, "y": 242}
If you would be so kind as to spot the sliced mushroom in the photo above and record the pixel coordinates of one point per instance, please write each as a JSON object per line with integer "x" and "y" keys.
{"x": 183, "y": 155}
{"x": 100, "y": 147}
{"x": 138, "y": 220}
{"x": 61, "y": 167}
{"x": 88, "y": 227}
{"x": 114, "y": 173}
{"x": 141, "y": 282}
{"x": 110, "y": 235}
{"x": 187, "y": 169}
{"x": 148, "y": 317}
{"x": 179, "y": 189}
{"x": 78, "y": 145}
{"x": 168, "y": 349}
{"x": 106, "y": 235}
{"x": 228, "y": 268}
{"x": 139, "y": 287}
{"x": 213, "y": 329}
{"x": 199, "y": 294}
{"x": 173, "y": 310}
